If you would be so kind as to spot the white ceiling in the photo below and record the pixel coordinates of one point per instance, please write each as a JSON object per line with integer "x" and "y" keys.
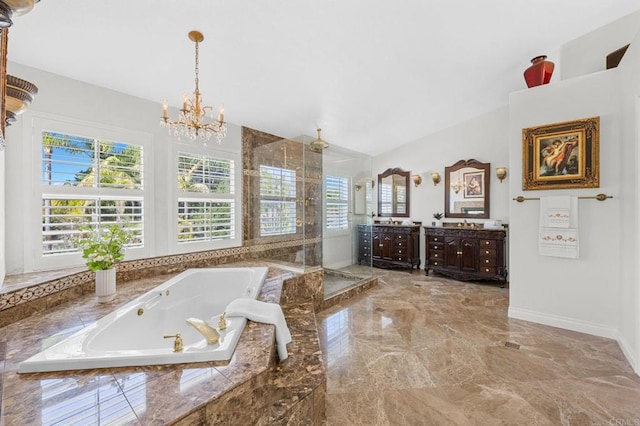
{"x": 372, "y": 74}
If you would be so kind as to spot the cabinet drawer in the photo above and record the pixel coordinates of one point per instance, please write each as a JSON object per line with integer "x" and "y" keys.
{"x": 436, "y": 254}
{"x": 487, "y": 261}
{"x": 487, "y": 269}
{"x": 485, "y": 252}
{"x": 487, "y": 244}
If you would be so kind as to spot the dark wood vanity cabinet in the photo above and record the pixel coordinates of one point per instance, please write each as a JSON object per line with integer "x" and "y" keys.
{"x": 466, "y": 254}
{"x": 389, "y": 246}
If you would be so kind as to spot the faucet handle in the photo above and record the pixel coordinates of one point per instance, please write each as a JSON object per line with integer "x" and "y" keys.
{"x": 177, "y": 344}
{"x": 222, "y": 323}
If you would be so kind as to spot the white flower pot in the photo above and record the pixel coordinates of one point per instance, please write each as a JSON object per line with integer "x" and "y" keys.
{"x": 106, "y": 285}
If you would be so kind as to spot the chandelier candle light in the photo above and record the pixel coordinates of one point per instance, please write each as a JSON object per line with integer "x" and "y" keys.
{"x": 191, "y": 123}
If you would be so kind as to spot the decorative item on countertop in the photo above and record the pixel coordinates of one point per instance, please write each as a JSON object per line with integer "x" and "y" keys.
{"x": 493, "y": 224}
{"x": 539, "y": 72}
{"x": 438, "y": 219}
{"x": 103, "y": 249}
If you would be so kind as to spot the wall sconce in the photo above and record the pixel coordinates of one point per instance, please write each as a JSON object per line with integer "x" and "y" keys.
{"x": 501, "y": 173}
{"x": 436, "y": 178}
{"x": 417, "y": 180}
{"x": 358, "y": 187}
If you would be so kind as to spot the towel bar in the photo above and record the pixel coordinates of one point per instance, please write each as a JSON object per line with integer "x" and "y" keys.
{"x": 599, "y": 197}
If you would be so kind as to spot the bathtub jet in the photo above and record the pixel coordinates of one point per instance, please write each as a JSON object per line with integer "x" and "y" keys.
{"x": 126, "y": 337}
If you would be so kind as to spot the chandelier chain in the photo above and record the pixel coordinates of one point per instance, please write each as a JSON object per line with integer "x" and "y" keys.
{"x": 197, "y": 64}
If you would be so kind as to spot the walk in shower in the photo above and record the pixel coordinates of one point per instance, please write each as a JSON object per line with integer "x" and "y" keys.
{"x": 305, "y": 204}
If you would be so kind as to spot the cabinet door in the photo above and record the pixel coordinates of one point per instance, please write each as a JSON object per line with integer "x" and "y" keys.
{"x": 451, "y": 253}
{"x": 468, "y": 254}
{"x": 378, "y": 244}
{"x": 387, "y": 246}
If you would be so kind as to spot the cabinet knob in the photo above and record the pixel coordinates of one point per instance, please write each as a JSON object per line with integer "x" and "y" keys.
{"x": 486, "y": 261}
{"x": 486, "y": 251}
{"x": 435, "y": 263}
{"x": 435, "y": 239}
{"x": 435, "y": 255}
{"x": 487, "y": 270}
{"x": 487, "y": 242}
{"x": 381, "y": 245}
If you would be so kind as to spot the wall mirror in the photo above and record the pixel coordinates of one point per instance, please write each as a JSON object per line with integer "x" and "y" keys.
{"x": 393, "y": 193}
{"x": 466, "y": 192}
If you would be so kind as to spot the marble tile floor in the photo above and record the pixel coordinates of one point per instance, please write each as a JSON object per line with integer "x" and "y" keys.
{"x": 418, "y": 350}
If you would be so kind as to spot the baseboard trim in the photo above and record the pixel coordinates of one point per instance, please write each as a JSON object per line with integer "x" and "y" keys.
{"x": 581, "y": 327}
{"x": 564, "y": 322}
{"x": 628, "y": 352}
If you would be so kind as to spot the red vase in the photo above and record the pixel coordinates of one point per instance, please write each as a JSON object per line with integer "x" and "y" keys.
{"x": 539, "y": 72}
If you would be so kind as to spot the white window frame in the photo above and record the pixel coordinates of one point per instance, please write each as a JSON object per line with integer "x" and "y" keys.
{"x": 32, "y": 203}
{"x": 210, "y": 150}
{"x": 279, "y": 199}
{"x": 348, "y": 203}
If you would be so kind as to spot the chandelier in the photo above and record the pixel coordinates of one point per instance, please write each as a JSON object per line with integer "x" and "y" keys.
{"x": 191, "y": 123}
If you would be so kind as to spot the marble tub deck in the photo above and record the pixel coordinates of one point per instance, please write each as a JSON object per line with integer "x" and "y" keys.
{"x": 418, "y": 350}
{"x": 252, "y": 388}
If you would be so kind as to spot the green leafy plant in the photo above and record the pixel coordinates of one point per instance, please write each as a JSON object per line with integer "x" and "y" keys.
{"x": 438, "y": 216}
{"x": 104, "y": 248}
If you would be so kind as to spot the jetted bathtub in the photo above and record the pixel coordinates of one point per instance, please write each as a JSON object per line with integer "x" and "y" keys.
{"x": 133, "y": 334}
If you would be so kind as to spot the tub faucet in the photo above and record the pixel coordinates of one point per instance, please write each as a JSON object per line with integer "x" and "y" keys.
{"x": 209, "y": 333}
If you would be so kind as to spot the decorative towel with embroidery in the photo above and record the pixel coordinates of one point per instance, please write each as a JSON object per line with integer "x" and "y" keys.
{"x": 559, "y": 227}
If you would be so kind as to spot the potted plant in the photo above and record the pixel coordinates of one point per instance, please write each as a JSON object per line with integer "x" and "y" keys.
{"x": 438, "y": 219}
{"x": 103, "y": 249}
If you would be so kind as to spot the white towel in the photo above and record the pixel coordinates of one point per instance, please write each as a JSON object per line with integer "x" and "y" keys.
{"x": 268, "y": 313}
{"x": 558, "y": 234}
{"x": 555, "y": 211}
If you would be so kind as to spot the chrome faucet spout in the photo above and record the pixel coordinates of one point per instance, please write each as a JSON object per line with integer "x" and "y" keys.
{"x": 210, "y": 334}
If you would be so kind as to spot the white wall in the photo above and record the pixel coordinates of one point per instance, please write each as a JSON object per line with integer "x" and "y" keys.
{"x": 483, "y": 138}
{"x": 588, "y": 54}
{"x": 597, "y": 293}
{"x": 85, "y": 103}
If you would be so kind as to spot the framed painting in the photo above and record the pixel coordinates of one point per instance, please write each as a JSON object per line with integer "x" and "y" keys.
{"x": 473, "y": 184}
{"x": 562, "y": 155}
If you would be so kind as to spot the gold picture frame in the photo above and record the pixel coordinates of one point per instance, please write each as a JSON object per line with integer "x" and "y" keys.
{"x": 562, "y": 155}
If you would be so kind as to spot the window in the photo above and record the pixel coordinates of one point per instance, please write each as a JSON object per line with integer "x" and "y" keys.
{"x": 88, "y": 182}
{"x": 277, "y": 201}
{"x": 206, "y": 203}
{"x": 337, "y": 202}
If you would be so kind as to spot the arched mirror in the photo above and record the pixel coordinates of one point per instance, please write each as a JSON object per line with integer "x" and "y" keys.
{"x": 393, "y": 193}
{"x": 466, "y": 192}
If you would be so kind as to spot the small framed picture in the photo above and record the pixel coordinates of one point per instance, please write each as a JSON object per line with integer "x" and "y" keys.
{"x": 473, "y": 184}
